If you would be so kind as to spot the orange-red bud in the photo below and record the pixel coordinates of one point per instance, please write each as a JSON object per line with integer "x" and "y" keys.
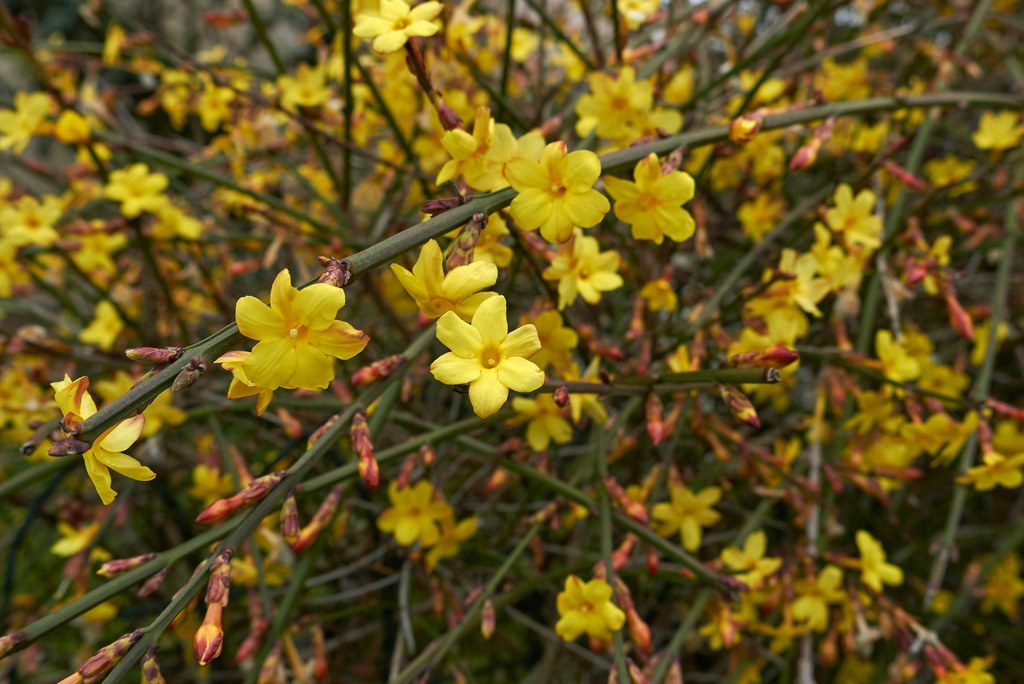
{"x": 805, "y": 156}
{"x": 363, "y": 446}
{"x": 620, "y": 556}
{"x": 154, "y": 354}
{"x": 252, "y": 640}
{"x": 253, "y": 492}
{"x": 905, "y": 177}
{"x": 655, "y": 422}
{"x": 219, "y": 585}
{"x": 634, "y": 509}
{"x": 777, "y": 357}
{"x": 320, "y": 520}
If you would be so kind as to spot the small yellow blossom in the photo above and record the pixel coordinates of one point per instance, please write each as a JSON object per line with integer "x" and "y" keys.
{"x": 136, "y": 189}
{"x": 71, "y": 128}
{"x": 307, "y": 88}
{"x": 298, "y": 335}
{"x": 106, "y": 451}
{"x": 998, "y": 131}
{"x": 487, "y": 356}
{"x": 1004, "y": 587}
{"x": 481, "y": 157}
{"x": 758, "y": 216}
{"x": 395, "y": 23}
{"x": 557, "y": 192}
{"x": 653, "y": 204}
{"x": 587, "y": 608}
{"x": 659, "y": 295}
{"x": 452, "y": 535}
{"x": 814, "y": 596}
{"x": 414, "y": 514}
{"x": 975, "y": 672}
{"x": 874, "y": 570}
{"x": 28, "y": 117}
{"x": 750, "y": 562}
{"x": 852, "y": 217}
{"x": 996, "y": 470}
{"x": 241, "y": 386}
{"x": 436, "y": 293}
{"x": 546, "y": 422}
{"x": 687, "y": 512}
{"x": 556, "y": 340}
{"x": 160, "y": 412}
{"x": 897, "y": 364}
{"x": 73, "y": 539}
{"x": 30, "y": 221}
{"x": 581, "y": 269}
{"x": 104, "y": 328}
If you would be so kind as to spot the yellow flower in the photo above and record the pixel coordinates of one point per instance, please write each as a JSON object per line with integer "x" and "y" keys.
{"x": 395, "y": 23}
{"x": 897, "y": 363}
{"x": 749, "y": 562}
{"x": 74, "y": 539}
{"x": 136, "y": 189}
{"x": 414, "y": 514}
{"x": 71, "y": 128}
{"x": 587, "y": 608}
{"x": 210, "y": 484}
{"x": 815, "y": 596}
{"x": 307, "y": 88}
{"x": 975, "y": 672}
{"x": 546, "y": 422}
{"x": 687, "y": 513}
{"x": 852, "y": 217}
{"x": 998, "y": 131}
{"x": 995, "y": 470}
{"x": 1004, "y": 587}
{"x": 950, "y": 171}
{"x": 659, "y": 295}
{"x": 874, "y": 571}
{"x": 299, "y": 337}
{"x": 582, "y": 270}
{"x": 760, "y": 215}
{"x": 806, "y": 289}
{"x": 487, "y": 356}
{"x": 28, "y": 117}
{"x": 29, "y": 221}
{"x": 104, "y": 328}
{"x": 106, "y": 451}
{"x": 556, "y": 341}
{"x": 436, "y": 293}
{"x": 557, "y": 192}
{"x": 112, "y": 44}
{"x": 588, "y": 403}
{"x": 622, "y": 109}
{"x": 653, "y": 204}
{"x": 481, "y": 157}
{"x": 452, "y": 534}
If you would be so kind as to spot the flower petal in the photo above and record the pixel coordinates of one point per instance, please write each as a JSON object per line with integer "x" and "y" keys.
{"x": 520, "y": 374}
{"x": 465, "y": 280}
{"x": 523, "y": 341}
{"x": 487, "y": 394}
{"x": 491, "y": 320}
{"x": 339, "y": 340}
{"x": 125, "y": 464}
{"x": 461, "y": 337}
{"x": 580, "y": 170}
{"x": 122, "y": 435}
{"x": 531, "y": 208}
{"x": 318, "y": 304}
{"x": 271, "y": 363}
{"x": 100, "y": 477}
{"x": 256, "y": 320}
{"x": 588, "y": 209}
{"x": 455, "y": 370}
{"x": 313, "y": 369}
{"x": 523, "y": 174}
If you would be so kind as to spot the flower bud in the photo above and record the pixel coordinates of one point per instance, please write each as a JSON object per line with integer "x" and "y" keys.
{"x": 290, "y": 526}
{"x": 362, "y": 444}
{"x": 436, "y": 207}
{"x": 449, "y": 119}
{"x": 776, "y": 357}
{"x": 322, "y": 518}
{"x": 153, "y": 583}
{"x": 151, "y": 668}
{"x": 620, "y": 556}
{"x": 253, "y": 492}
{"x": 319, "y": 432}
{"x": 190, "y": 374}
{"x": 905, "y": 177}
{"x": 337, "y": 272}
{"x": 635, "y": 673}
{"x": 805, "y": 156}
{"x": 460, "y": 251}
{"x": 253, "y": 640}
{"x": 378, "y": 370}
{"x": 9, "y": 641}
{"x": 487, "y": 620}
{"x": 561, "y": 396}
{"x": 154, "y": 355}
{"x": 740, "y": 405}
{"x": 743, "y": 128}
{"x": 103, "y": 661}
{"x": 219, "y": 585}
{"x": 69, "y": 446}
{"x": 655, "y": 423}
{"x": 634, "y": 509}
{"x": 209, "y": 637}
{"x": 958, "y": 317}
{"x": 118, "y": 566}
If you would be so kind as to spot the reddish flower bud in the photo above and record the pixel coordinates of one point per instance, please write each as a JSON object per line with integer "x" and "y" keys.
{"x": 290, "y": 526}
{"x": 449, "y": 119}
{"x": 153, "y": 583}
{"x": 320, "y": 520}
{"x": 369, "y": 470}
{"x": 219, "y": 585}
{"x": 634, "y": 509}
{"x": 655, "y": 423}
{"x": 905, "y": 177}
{"x": 253, "y": 640}
{"x": 118, "y": 566}
{"x": 958, "y": 317}
{"x": 103, "y": 661}
{"x": 253, "y": 492}
{"x": 740, "y": 405}
{"x": 675, "y": 673}
{"x": 487, "y": 620}
{"x": 776, "y": 357}
{"x": 9, "y": 641}
{"x": 209, "y": 637}
{"x": 635, "y": 673}
{"x": 319, "y": 653}
{"x": 427, "y": 455}
{"x": 435, "y": 207}
{"x": 805, "y": 156}
{"x": 69, "y": 446}
{"x": 377, "y": 370}
{"x": 620, "y": 556}
{"x": 319, "y": 432}
{"x": 154, "y": 354}
{"x": 561, "y": 396}
{"x": 190, "y": 374}
{"x": 652, "y": 561}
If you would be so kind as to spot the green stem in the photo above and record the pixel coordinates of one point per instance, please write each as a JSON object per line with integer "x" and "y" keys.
{"x": 437, "y": 649}
{"x": 605, "y": 508}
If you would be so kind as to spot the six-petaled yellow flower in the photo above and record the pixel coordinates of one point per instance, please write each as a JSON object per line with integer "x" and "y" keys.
{"x": 395, "y": 23}
{"x": 414, "y": 515}
{"x": 436, "y": 293}
{"x": 557, "y": 192}
{"x": 587, "y": 608}
{"x": 487, "y": 356}
{"x": 874, "y": 570}
{"x": 298, "y": 335}
{"x": 688, "y": 513}
{"x": 652, "y": 204}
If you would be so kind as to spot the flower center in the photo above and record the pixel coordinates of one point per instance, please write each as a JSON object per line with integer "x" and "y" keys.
{"x": 490, "y": 356}
{"x": 401, "y": 24}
